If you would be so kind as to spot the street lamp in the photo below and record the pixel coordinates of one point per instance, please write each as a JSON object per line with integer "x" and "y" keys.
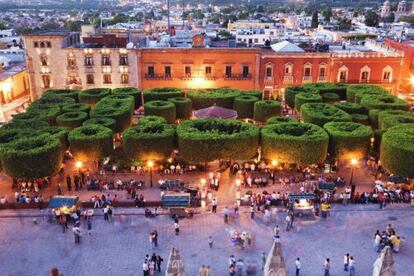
{"x": 78, "y": 165}
{"x": 150, "y": 165}
{"x": 274, "y": 165}
{"x": 238, "y": 182}
{"x": 354, "y": 162}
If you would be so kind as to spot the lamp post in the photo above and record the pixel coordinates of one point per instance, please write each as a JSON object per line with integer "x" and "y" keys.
{"x": 78, "y": 165}
{"x": 354, "y": 162}
{"x": 274, "y": 165}
{"x": 150, "y": 165}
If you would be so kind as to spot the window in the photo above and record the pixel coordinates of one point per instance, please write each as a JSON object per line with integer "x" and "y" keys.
{"x": 43, "y": 60}
{"x": 307, "y": 72}
{"x": 386, "y": 76}
{"x": 322, "y": 72}
{"x": 288, "y": 69}
{"x": 207, "y": 71}
{"x": 124, "y": 78}
{"x": 187, "y": 71}
{"x": 42, "y": 44}
{"x": 106, "y": 60}
{"x": 228, "y": 71}
{"x": 46, "y": 81}
{"x": 48, "y": 44}
{"x": 71, "y": 61}
{"x": 167, "y": 71}
{"x": 90, "y": 79}
{"x": 123, "y": 60}
{"x": 35, "y": 44}
{"x": 88, "y": 60}
{"x": 342, "y": 76}
{"x": 245, "y": 71}
{"x": 269, "y": 72}
{"x": 72, "y": 80}
{"x": 151, "y": 71}
{"x": 364, "y": 76}
{"x": 107, "y": 78}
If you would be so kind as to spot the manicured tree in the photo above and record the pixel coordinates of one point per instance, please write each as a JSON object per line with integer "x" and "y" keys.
{"x": 359, "y": 96}
{"x": 380, "y": 116}
{"x": 205, "y": 140}
{"x": 373, "y": 117}
{"x": 152, "y": 119}
{"x": 292, "y": 91}
{"x": 206, "y": 98}
{"x": 393, "y": 120}
{"x": 397, "y": 150}
{"x": 51, "y": 100}
{"x": 25, "y": 123}
{"x": 322, "y": 88}
{"x": 183, "y": 107}
{"x": 131, "y": 91}
{"x": 348, "y": 140}
{"x": 244, "y": 105}
{"x": 32, "y": 158}
{"x": 163, "y": 109}
{"x": 40, "y": 113}
{"x": 303, "y": 98}
{"x": 279, "y": 120}
{"x": 351, "y": 108}
{"x": 71, "y": 120}
{"x": 254, "y": 93}
{"x": 102, "y": 121}
{"x": 384, "y": 102}
{"x": 76, "y": 107}
{"x": 61, "y": 133}
{"x": 118, "y": 109}
{"x": 71, "y": 93}
{"x": 322, "y": 113}
{"x": 93, "y": 96}
{"x": 91, "y": 142}
{"x": 265, "y": 109}
{"x": 353, "y": 90}
{"x": 300, "y": 144}
{"x": 150, "y": 141}
{"x": 330, "y": 98}
{"x": 360, "y": 118}
{"x": 162, "y": 94}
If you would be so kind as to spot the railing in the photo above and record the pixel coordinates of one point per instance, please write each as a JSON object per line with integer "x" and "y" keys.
{"x": 307, "y": 79}
{"x": 370, "y": 81}
{"x": 322, "y": 79}
{"x": 288, "y": 79}
{"x": 158, "y": 77}
{"x": 238, "y": 77}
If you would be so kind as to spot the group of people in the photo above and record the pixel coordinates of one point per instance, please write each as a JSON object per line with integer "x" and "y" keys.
{"x": 388, "y": 237}
{"x": 152, "y": 264}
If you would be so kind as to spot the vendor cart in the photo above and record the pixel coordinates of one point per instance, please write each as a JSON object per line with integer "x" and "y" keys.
{"x": 302, "y": 204}
{"x": 65, "y": 204}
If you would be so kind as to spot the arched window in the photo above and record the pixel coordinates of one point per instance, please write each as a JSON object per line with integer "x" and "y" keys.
{"x": 288, "y": 69}
{"x": 343, "y": 74}
{"x": 365, "y": 74}
{"x": 387, "y": 74}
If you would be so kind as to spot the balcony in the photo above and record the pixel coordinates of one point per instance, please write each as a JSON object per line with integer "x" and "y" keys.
{"x": 288, "y": 79}
{"x": 157, "y": 77}
{"x": 72, "y": 67}
{"x": 269, "y": 81}
{"x": 238, "y": 77}
{"x": 89, "y": 69}
{"x": 322, "y": 79}
{"x": 307, "y": 79}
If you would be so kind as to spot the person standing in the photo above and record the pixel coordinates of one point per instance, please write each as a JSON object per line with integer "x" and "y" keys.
{"x": 226, "y": 214}
{"x": 214, "y": 205}
{"x": 77, "y": 233}
{"x": 151, "y": 240}
{"x": 155, "y": 238}
{"x": 105, "y": 211}
{"x": 176, "y": 228}
{"x": 69, "y": 183}
{"x": 288, "y": 221}
{"x": 159, "y": 261}
{"x": 89, "y": 223}
{"x": 351, "y": 266}
{"x": 297, "y": 266}
{"x": 263, "y": 257}
{"x": 327, "y": 267}
{"x": 252, "y": 213}
{"x": 210, "y": 241}
{"x": 346, "y": 261}
{"x": 236, "y": 209}
{"x": 232, "y": 270}
{"x": 203, "y": 271}
{"x": 145, "y": 268}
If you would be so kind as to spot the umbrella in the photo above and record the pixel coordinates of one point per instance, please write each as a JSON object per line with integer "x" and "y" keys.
{"x": 215, "y": 111}
{"x": 384, "y": 265}
{"x": 175, "y": 266}
{"x": 275, "y": 263}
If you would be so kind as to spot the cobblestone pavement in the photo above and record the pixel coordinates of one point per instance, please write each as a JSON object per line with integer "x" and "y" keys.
{"x": 118, "y": 247}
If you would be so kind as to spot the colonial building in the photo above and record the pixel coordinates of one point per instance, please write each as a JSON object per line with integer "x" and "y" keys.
{"x": 57, "y": 60}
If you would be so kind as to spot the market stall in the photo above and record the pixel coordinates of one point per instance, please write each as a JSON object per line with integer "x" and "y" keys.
{"x": 64, "y": 204}
{"x": 303, "y": 204}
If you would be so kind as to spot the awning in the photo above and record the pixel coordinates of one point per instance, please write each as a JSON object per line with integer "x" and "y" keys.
{"x": 63, "y": 201}
{"x": 215, "y": 111}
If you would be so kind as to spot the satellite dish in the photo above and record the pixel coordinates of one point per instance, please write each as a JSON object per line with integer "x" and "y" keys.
{"x": 130, "y": 45}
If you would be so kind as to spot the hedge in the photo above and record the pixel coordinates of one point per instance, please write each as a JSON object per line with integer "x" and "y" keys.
{"x": 152, "y": 119}
{"x": 360, "y": 118}
{"x": 102, "y": 121}
{"x": 254, "y": 93}
{"x": 330, "y": 98}
{"x": 265, "y": 109}
{"x": 206, "y": 98}
{"x": 336, "y": 88}
{"x": 300, "y": 144}
{"x": 373, "y": 117}
{"x": 91, "y": 142}
{"x": 303, "y": 98}
{"x": 393, "y": 120}
{"x": 384, "y": 102}
{"x": 351, "y": 108}
{"x": 389, "y": 112}
{"x": 183, "y": 107}
{"x": 150, "y": 141}
{"x": 76, "y": 107}
{"x": 40, "y": 113}
{"x": 348, "y": 140}
{"x": 71, "y": 119}
{"x": 292, "y": 91}
{"x": 47, "y": 101}
{"x": 71, "y": 93}
{"x": 244, "y": 105}
{"x": 118, "y": 109}
{"x": 162, "y": 94}
{"x": 322, "y": 113}
{"x": 25, "y": 123}
{"x": 93, "y": 96}
{"x": 61, "y": 133}
{"x": 163, "y": 109}
{"x": 32, "y": 158}
{"x": 353, "y": 90}
{"x": 279, "y": 120}
{"x": 131, "y": 91}
{"x": 205, "y": 140}
{"x": 397, "y": 150}
{"x": 359, "y": 96}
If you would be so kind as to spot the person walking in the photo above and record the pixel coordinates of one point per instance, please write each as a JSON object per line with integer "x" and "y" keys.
{"x": 210, "y": 241}
{"x": 288, "y": 221}
{"x": 151, "y": 240}
{"x": 203, "y": 271}
{"x": 77, "y": 233}
{"x": 226, "y": 214}
{"x": 158, "y": 261}
{"x": 297, "y": 266}
{"x": 263, "y": 257}
{"x": 155, "y": 238}
{"x": 69, "y": 183}
{"x": 351, "y": 266}
{"x": 236, "y": 209}
{"x": 145, "y": 268}
{"x": 105, "y": 211}
{"x": 327, "y": 267}
{"x": 252, "y": 211}
{"x": 176, "y": 228}
{"x": 214, "y": 205}
{"x": 89, "y": 224}
{"x": 346, "y": 261}
{"x": 232, "y": 270}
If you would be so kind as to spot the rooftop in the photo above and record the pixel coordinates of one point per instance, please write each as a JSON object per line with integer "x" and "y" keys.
{"x": 14, "y": 69}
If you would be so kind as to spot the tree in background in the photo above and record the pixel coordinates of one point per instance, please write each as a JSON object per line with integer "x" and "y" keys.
{"x": 327, "y": 13}
{"x": 372, "y": 19}
{"x": 315, "y": 22}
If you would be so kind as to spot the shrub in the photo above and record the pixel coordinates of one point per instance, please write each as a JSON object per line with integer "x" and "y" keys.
{"x": 150, "y": 141}
{"x": 40, "y": 113}
{"x": 351, "y": 108}
{"x": 51, "y": 101}
{"x": 303, "y": 98}
{"x": 32, "y": 158}
{"x": 183, "y": 107}
{"x": 25, "y": 123}
{"x": 359, "y": 96}
{"x": 330, "y": 98}
{"x": 254, "y": 93}
{"x": 91, "y": 142}
{"x": 279, "y": 120}
{"x": 384, "y": 102}
{"x": 61, "y": 133}
{"x": 71, "y": 119}
{"x": 382, "y": 114}
{"x": 300, "y": 144}
{"x": 265, "y": 109}
{"x": 360, "y": 118}
{"x": 206, "y": 98}
{"x": 131, "y": 91}
{"x": 397, "y": 150}
{"x": 102, "y": 121}
{"x": 118, "y": 109}
{"x": 322, "y": 113}
{"x": 70, "y": 93}
{"x": 205, "y": 140}
{"x": 244, "y": 105}
{"x": 373, "y": 117}
{"x": 348, "y": 140}
{"x": 152, "y": 119}
{"x": 162, "y": 94}
{"x": 393, "y": 120}
{"x": 292, "y": 91}
{"x": 353, "y": 90}
{"x": 161, "y": 108}
{"x": 76, "y": 107}
{"x": 322, "y": 88}
{"x": 93, "y": 96}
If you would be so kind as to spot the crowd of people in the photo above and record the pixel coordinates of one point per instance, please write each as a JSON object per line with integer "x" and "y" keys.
{"x": 152, "y": 265}
{"x": 388, "y": 237}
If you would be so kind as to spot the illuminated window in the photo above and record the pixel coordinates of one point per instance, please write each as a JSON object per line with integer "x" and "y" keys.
{"x": 88, "y": 60}
{"x": 106, "y": 60}
{"x": 167, "y": 71}
{"x": 46, "y": 81}
{"x": 124, "y": 78}
{"x": 107, "y": 79}
{"x": 90, "y": 79}
{"x": 228, "y": 71}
